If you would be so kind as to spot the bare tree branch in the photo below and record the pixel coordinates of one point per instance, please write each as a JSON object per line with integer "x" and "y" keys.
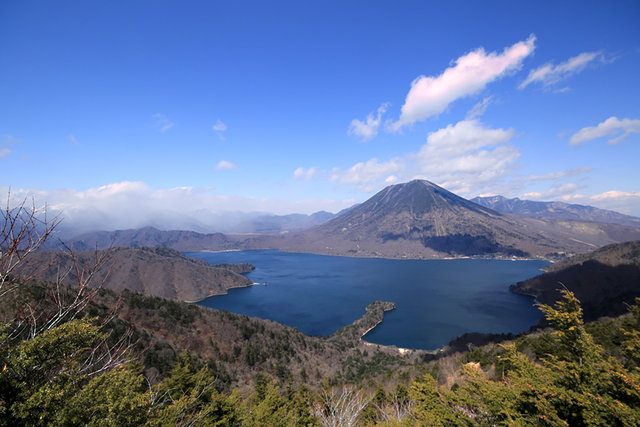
{"x": 24, "y": 228}
{"x": 341, "y": 407}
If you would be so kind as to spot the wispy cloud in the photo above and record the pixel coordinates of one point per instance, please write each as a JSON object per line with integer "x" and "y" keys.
{"x": 470, "y": 74}
{"x": 225, "y": 165}
{"x": 558, "y": 174}
{"x": 162, "y": 122}
{"x": 555, "y": 192}
{"x": 73, "y": 140}
{"x": 479, "y": 108}
{"x": 5, "y": 142}
{"x": 220, "y": 127}
{"x": 9, "y": 139}
{"x": 304, "y": 173}
{"x": 465, "y": 157}
{"x": 550, "y": 74}
{"x": 368, "y": 128}
{"x": 627, "y": 202}
{"x": 610, "y": 127}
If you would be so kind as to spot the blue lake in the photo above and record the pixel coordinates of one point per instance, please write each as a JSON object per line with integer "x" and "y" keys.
{"x": 437, "y": 300}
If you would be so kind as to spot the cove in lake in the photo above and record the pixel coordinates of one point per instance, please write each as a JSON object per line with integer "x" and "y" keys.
{"x": 437, "y": 300}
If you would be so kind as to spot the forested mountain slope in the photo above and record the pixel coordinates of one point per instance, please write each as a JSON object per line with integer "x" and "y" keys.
{"x": 606, "y": 280}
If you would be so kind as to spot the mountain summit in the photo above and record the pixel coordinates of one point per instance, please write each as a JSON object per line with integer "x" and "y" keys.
{"x": 419, "y": 199}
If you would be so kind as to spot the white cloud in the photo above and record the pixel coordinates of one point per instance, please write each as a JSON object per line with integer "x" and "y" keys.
{"x": 225, "y": 165}
{"x": 429, "y": 96}
{"x": 550, "y": 74}
{"x": 303, "y": 173}
{"x": 219, "y": 126}
{"x": 73, "y": 139}
{"x": 116, "y": 188}
{"x": 614, "y": 194}
{"x": 463, "y": 137}
{"x": 369, "y": 128}
{"x": 464, "y": 157}
{"x": 4, "y": 152}
{"x": 363, "y": 174}
{"x": 611, "y": 126}
{"x": 162, "y": 122}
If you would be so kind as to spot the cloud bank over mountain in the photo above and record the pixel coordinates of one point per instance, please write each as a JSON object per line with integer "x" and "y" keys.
{"x": 127, "y": 205}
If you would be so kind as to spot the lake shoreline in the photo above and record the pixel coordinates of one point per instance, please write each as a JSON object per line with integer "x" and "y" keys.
{"x": 443, "y": 258}
{"x": 226, "y": 292}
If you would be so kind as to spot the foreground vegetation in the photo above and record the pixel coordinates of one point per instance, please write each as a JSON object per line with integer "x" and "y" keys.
{"x": 77, "y": 355}
{"x": 77, "y": 373}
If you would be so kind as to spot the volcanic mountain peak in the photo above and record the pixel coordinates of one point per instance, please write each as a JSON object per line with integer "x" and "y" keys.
{"x": 418, "y": 198}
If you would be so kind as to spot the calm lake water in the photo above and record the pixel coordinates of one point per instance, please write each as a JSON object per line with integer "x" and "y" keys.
{"x": 437, "y": 300}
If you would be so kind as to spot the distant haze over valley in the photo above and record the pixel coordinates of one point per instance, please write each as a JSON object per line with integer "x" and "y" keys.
{"x": 199, "y": 221}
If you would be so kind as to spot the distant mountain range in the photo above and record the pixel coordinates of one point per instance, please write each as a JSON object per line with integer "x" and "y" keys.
{"x": 555, "y": 210}
{"x": 417, "y": 219}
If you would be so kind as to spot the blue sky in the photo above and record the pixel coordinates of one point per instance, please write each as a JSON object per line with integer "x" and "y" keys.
{"x": 118, "y": 109}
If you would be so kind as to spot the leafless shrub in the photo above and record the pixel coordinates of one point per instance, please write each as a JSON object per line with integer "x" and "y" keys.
{"x": 449, "y": 370}
{"x": 24, "y": 228}
{"x": 341, "y": 407}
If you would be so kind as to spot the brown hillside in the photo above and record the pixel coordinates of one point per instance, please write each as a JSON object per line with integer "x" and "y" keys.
{"x": 159, "y": 272}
